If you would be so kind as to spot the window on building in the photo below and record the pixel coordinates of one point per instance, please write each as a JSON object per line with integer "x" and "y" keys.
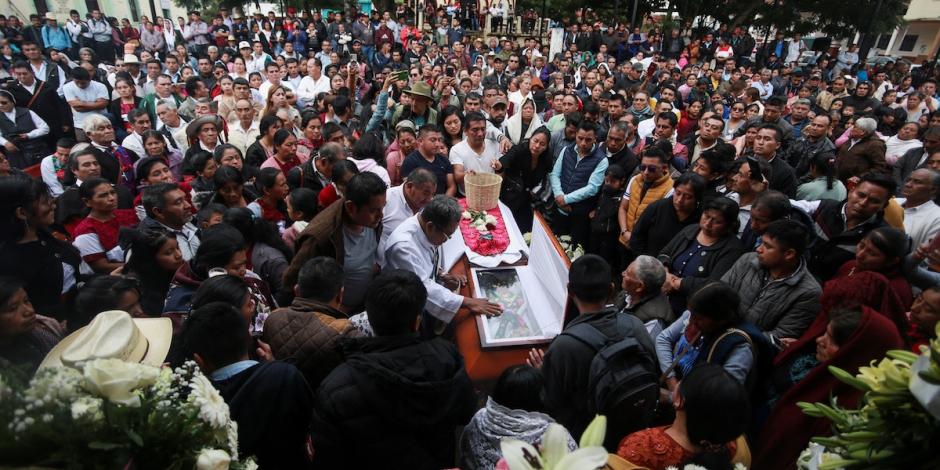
{"x": 41, "y": 8}
{"x": 907, "y": 44}
{"x": 883, "y": 40}
{"x": 135, "y": 15}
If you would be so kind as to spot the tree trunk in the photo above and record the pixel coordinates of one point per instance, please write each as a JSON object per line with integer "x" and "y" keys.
{"x": 747, "y": 14}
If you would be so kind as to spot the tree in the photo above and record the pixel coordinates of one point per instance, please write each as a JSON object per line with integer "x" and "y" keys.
{"x": 835, "y": 18}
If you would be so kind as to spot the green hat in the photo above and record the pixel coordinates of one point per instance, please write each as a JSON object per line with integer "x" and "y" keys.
{"x": 421, "y": 88}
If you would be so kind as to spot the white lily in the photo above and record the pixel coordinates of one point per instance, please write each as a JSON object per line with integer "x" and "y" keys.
{"x": 554, "y": 450}
{"x": 554, "y": 445}
{"x": 520, "y": 455}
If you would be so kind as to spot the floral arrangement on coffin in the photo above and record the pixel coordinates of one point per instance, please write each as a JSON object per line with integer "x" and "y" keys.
{"x": 484, "y": 232}
{"x": 553, "y": 452}
{"x": 572, "y": 250}
{"x": 117, "y": 414}
{"x": 897, "y": 424}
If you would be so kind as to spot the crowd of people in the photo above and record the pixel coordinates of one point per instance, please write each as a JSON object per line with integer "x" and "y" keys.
{"x": 279, "y": 188}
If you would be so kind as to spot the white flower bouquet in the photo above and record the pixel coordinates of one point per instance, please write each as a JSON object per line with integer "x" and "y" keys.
{"x": 553, "y": 452}
{"x": 572, "y": 250}
{"x": 116, "y": 414}
{"x": 893, "y": 427}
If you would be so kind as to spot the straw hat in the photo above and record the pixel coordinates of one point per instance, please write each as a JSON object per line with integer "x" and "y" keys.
{"x": 192, "y": 129}
{"x": 114, "y": 335}
{"x": 422, "y": 89}
{"x": 131, "y": 59}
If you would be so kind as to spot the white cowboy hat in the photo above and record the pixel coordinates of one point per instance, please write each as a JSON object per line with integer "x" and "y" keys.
{"x": 114, "y": 335}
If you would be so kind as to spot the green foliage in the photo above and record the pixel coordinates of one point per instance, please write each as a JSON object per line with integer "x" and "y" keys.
{"x": 830, "y": 17}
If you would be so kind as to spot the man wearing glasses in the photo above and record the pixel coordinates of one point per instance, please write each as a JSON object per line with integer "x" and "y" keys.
{"x": 650, "y": 184}
{"x": 415, "y": 246}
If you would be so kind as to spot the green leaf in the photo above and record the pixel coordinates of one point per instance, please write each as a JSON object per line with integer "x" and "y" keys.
{"x": 97, "y": 445}
{"x": 134, "y": 437}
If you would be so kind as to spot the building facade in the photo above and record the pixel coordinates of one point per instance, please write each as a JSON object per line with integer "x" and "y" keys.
{"x": 130, "y": 9}
{"x": 919, "y": 37}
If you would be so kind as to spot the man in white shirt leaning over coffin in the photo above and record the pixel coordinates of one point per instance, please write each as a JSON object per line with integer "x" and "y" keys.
{"x": 404, "y": 201}
{"x": 416, "y": 246}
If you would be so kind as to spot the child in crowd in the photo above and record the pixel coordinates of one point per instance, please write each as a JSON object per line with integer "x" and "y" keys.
{"x": 604, "y": 226}
{"x": 301, "y": 207}
{"x": 204, "y": 166}
{"x": 343, "y": 171}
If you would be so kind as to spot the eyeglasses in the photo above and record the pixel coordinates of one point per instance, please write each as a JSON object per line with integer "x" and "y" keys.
{"x": 447, "y": 236}
{"x": 740, "y": 110}
{"x": 646, "y": 168}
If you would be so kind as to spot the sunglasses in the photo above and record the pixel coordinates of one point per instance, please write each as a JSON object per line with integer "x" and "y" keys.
{"x": 646, "y": 168}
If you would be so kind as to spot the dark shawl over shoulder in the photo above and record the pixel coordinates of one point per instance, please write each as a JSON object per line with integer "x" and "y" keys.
{"x": 271, "y": 403}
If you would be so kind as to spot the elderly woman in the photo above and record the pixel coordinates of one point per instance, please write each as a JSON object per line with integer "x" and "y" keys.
{"x": 117, "y": 162}
{"x": 203, "y": 135}
{"x": 863, "y": 152}
{"x": 702, "y": 252}
{"x": 22, "y": 133}
{"x": 522, "y": 124}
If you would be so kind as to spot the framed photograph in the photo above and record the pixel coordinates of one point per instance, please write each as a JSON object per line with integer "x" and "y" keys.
{"x": 525, "y": 319}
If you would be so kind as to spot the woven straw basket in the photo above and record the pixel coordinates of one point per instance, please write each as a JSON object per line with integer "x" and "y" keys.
{"x": 482, "y": 190}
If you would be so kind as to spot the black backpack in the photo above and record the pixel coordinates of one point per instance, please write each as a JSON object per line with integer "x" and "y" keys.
{"x": 623, "y": 381}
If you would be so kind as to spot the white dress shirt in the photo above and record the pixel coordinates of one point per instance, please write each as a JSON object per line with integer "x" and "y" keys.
{"x": 409, "y": 249}
{"x": 310, "y": 88}
{"x": 396, "y": 211}
{"x": 243, "y": 138}
{"x": 922, "y": 223}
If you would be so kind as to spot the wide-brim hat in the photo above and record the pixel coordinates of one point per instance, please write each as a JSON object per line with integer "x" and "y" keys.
{"x": 421, "y": 88}
{"x": 192, "y": 129}
{"x": 113, "y": 334}
{"x": 131, "y": 59}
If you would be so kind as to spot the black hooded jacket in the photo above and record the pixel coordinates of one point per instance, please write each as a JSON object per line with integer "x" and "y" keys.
{"x": 395, "y": 403}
